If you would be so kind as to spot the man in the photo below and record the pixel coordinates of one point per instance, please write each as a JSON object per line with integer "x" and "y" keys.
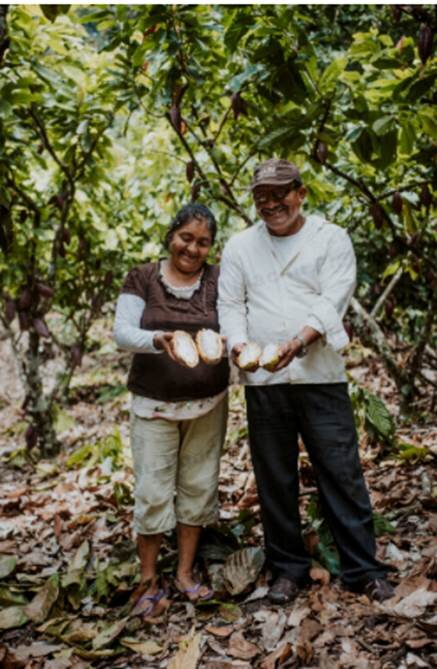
{"x": 288, "y": 280}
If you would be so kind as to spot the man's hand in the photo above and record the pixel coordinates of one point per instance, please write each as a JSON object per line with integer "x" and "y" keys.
{"x": 162, "y": 341}
{"x": 235, "y": 352}
{"x": 287, "y": 353}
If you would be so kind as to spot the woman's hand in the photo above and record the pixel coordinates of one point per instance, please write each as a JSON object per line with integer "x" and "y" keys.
{"x": 162, "y": 341}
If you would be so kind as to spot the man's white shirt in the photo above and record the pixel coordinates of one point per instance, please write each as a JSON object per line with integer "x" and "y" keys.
{"x": 268, "y": 294}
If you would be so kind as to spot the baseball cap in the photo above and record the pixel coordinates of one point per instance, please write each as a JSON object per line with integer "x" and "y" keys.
{"x": 275, "y": 172}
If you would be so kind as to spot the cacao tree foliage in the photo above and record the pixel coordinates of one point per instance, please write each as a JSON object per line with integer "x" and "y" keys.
{"x": 112, "y": 116}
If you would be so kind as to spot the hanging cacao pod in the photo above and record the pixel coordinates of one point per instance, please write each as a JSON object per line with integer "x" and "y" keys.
{"x": 175, "y": 118}
{"x": 397, "y": 203}
{"x": 392, "y": 250}
{"x": 44, "y": 290}
{"x": 321, "y": 152}
{"x": 195, "y": 191}
{"x": 239, "y": 105}
{"x": 24, "y": 320}
{"x": 389, "y": 306}
{"x": 31, "y": 436}
{"x": 10, "y": 309}
{"x": 377, "y": 213}
{"x": 76, "y": 354}
{"x": 24, "y": 300}
{"x": 66, "y": 236}
{"x": 40, "y": 327}
{"x": 396, "y": 10}
{"x": 109, "y": 276}
{"x": 189, "y": 171}
{"x": 425, "y": 42}
{"x": 425, "y": 196}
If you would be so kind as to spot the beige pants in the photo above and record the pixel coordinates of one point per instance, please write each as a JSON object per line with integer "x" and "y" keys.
{"x": 176, "y": 466}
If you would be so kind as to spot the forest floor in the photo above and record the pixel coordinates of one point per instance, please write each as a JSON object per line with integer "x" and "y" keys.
{"x": 68, "y": 564}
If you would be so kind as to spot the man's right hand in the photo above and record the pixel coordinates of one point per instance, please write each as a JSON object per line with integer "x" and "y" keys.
{"x": 162, "y": 341}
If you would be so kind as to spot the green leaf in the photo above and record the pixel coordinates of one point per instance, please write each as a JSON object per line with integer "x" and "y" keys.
{"x": 382, "y": 525}
{"x": 379, "y": 416}
{"x": 329, "y": 77}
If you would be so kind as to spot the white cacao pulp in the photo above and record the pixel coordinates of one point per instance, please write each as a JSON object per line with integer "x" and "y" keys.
{"x": 210, "y": 346}
{"x": 270, "y": 357}
{"x": 249, "y": 357}
{"x": 184, "y": 348}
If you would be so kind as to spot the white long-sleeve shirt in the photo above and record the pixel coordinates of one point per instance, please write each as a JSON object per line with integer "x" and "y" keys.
{"x": 268, "y": 296}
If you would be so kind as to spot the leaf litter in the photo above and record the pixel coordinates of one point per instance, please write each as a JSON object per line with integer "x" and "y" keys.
{"x": 68, "y": 564}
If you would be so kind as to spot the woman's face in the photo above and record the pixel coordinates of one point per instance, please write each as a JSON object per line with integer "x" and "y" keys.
{"x": 189, "y": 246}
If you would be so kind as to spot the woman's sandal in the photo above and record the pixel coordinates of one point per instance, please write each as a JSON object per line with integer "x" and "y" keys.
{"x": 146, "y": 605}
{"x": 194, "y": 591}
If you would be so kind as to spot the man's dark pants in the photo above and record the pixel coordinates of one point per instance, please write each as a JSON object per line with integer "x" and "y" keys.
{"x": 322, "y": 415}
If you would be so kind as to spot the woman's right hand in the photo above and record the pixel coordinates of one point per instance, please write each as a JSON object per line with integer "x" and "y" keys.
{"x": 162, "y": 341}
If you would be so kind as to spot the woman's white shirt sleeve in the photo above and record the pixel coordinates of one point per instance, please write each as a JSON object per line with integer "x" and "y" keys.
{"x": 127, "y": 331}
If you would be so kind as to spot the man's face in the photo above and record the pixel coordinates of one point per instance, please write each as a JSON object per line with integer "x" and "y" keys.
{"x": 279, "y": 207}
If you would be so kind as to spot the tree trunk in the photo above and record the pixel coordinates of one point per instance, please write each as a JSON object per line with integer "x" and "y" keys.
{"x": 37, "y": 405}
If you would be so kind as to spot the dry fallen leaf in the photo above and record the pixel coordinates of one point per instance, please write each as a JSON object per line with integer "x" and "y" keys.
{"x": 188, "y": 654}
{"x": 240, "y": 648}
{"x": 414, "y": 604}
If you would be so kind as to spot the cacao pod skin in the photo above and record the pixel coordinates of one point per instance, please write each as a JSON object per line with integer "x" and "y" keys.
{"x": 389, "y": 308}
{"x": 210, "y": 346}
{"x": 45, "y": 290}
{"x": 25, "y": 300}
{"x": 189, "y": 171}
{"x": 425, "y": 42}
{"x": 397, "y": 203}
{"x": 425, "y": 196}
{"x": 24, "y": 320}
{"x": 195, "y": 191}
{"x": 321, "y": 152}
{"x": 40, "y": 327}
{"x": 239, "y": 105}
{"x": 377, "y": 213}
{"x": 10, "y": 309}
{"x": 76, "y": 355}
{"x": 184, "y": 349}
{"x": 31, "y": 436}
{"x": 175, "y": 118}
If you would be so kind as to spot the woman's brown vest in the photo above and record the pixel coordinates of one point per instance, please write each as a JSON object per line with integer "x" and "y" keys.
{"x": 157, "y": 375}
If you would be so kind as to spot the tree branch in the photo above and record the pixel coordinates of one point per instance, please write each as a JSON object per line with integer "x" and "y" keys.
{"x": 384, "y": 295}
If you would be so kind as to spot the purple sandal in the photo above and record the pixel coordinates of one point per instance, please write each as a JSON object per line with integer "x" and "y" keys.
{"x": 193, "y": 591}
{"x": 146, "y": 604}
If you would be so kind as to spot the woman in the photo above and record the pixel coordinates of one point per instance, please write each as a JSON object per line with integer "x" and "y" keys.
{"x": 178, "y": 421}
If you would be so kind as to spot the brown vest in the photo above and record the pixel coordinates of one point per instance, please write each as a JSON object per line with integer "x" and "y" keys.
{"x": 157, "y": 375}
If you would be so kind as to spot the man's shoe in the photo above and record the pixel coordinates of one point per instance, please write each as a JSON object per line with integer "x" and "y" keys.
{"x": 378, "y": 589}
{"x": 283, "y": 590}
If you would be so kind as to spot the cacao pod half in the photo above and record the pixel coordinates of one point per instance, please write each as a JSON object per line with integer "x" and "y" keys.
{"x": 210, "y": 346}
{"x": 184, "y": 349}
{"x": 270, "y": 357}
{"x": 248, "y": 360}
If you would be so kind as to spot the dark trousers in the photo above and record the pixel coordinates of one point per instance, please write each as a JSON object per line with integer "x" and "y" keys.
{"x": 322, "y": 415}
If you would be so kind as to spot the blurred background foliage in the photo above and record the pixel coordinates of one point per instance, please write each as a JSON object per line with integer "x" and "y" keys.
{"x": 113, "y": 116}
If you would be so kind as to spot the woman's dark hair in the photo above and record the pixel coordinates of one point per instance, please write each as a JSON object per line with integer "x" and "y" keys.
{"x": 186, "y": 214}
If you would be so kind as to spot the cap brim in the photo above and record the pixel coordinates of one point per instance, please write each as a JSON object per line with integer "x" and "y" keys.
{"x": 271, "y": 182}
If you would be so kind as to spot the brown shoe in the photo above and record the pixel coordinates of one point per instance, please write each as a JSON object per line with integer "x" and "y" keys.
{"x": 378, "y": 589}
{"x": 283, "y": 590}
